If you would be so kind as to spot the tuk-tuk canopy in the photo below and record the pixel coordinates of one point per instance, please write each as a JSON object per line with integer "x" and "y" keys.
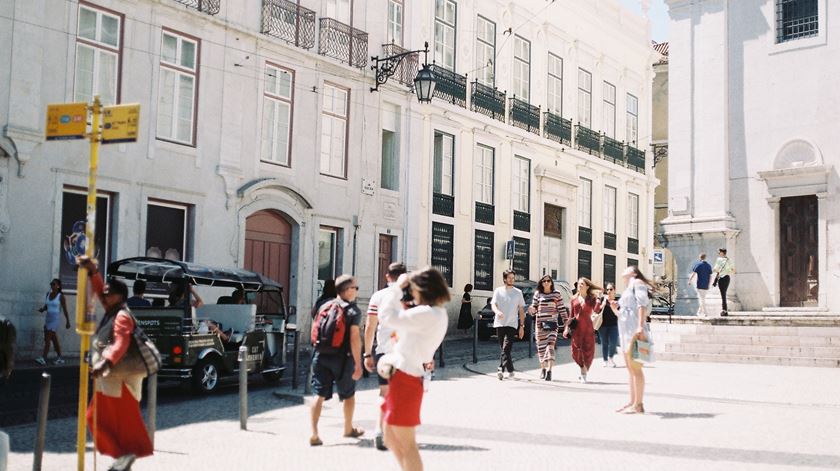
{"x": 165, "y": 271}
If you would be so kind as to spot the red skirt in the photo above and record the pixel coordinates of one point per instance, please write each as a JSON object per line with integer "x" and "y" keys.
{"x": 119, "y": 428}
{"x": 402, "y": 403}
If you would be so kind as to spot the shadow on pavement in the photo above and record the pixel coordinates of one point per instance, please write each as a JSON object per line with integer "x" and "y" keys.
{"x": 679, "y": 415}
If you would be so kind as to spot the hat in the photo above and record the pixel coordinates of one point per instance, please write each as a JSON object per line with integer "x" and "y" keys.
{"x": 343, "y": 282}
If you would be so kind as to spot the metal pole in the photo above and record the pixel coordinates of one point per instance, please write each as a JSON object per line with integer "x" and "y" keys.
{"x": 43, "y": 411}
{"x": 295, "y": 359}
{"x": 243, "y": 388}
{"x": 475, "y": 340}
{"x": 151, "y": 391}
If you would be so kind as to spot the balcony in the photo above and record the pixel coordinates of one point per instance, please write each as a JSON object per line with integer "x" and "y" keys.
{"x": 443, "y": 205}
{"x": 632, "y": 245}
{"x": 525, "y": 115}
{"x": 587, "y": 139}
{"x": 636, "y": 159}
{"x": 343, "y": 43}
{"x": 584, "y": 235}
{"x": 211, "y": 7}
{"x": 485, "y": 213}
{"x": 521, "y": 221}
{"x": 290, "y": 22}
{"x": 488, "y": 101}
{"x": 558, "y": 129}
{"x": 613, "y": 151}
{"x": 450, "y": 87}
{"x": 609, "y": 241}
{"x": 407, "y": 70}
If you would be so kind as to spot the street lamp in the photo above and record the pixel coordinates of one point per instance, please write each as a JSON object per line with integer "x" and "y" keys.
{"x": 424, "y": 82}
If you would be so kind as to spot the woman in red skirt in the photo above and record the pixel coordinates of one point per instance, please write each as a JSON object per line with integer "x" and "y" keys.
{"x": 419, "y": 330}
{"x": 583, "y": 337}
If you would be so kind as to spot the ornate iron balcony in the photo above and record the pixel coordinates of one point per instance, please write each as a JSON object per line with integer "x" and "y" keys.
{"x": 524, "y": 115}
{"x": 609, "y": 241}
{"x": 636, "y": 159}
{"x": 407, "y": 70}
{"x": 633, "y": 246}
{"x": 488, "y": 101}
{"x": 443, "y": 205}
{"x": 450, "y": 87}
{"x": 558, "y": 129}
{"x": 584, "y": 235}
{"x": 485, "y": 213}
{"x": 587, "y": 139}
{"x": 521, "y": 221}
{"x": 211, "y": 7}
{"x": 613, "y": 150}
{"x": 343, "y": 42}
{"x": 290, "y": 22}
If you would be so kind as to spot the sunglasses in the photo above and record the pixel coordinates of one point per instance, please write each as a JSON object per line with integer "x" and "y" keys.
{"x": 546, "y": 281}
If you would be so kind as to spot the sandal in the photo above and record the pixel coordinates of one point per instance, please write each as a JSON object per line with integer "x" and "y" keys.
{"x": 624, "y": 407}
{"x": 315, "y": 441}
{"x": 637, "y": 409}
{"x": 354, "y": 433}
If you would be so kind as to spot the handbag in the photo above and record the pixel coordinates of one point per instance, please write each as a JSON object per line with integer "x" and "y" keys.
{"x": 548, "y": 326}
{"x": 141, "y": 358}
{"x": 642, "y": 352}
{"x": 714, "y": 283}
{"x": 598, "y": 319}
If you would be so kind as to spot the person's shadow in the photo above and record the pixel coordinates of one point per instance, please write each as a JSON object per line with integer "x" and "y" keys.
{"x": 681, "y": 415}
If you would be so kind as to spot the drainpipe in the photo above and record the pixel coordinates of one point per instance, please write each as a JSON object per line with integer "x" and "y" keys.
{"x": 355, "y": 243}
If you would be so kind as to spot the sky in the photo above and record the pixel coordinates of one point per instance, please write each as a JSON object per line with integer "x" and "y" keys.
{"x": 658, "y": 17}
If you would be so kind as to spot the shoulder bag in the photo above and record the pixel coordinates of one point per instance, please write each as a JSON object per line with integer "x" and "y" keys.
{"x": 141, "y": 358}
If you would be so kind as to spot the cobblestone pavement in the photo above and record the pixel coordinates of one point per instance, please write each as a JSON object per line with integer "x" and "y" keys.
{"x": 700, "y": 416}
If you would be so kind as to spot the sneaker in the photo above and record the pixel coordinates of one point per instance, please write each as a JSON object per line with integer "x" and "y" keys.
{"x": 582, "y": 379}
{"x": 379, "y": 441}
{"x": 510, "y": 375}
{"x": 41, "y": 361}
{"x": 612, "y": 363}
{"x": 123, "y": 463}
{"x": 606, "y": 364}
{"x": 723, "y": 313}
{"x": 59, "y": 361}
{"x": 500, "y": 375}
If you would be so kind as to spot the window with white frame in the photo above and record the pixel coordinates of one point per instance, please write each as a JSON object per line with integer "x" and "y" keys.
{"x": 555, "y": 84}
{"x": 97, "y": 55}
{"x": 334, "y": 112}
{"x": 339, "y": 10}
{"x": 483, "y": 174}
{"x": 633, "y": 209}
{"x": 328, "y": 251}
{"x": 277, "y": 114}
{"x": 632, "y": 120}
{"x": 584, "y": 98}
{"x": 485, "y": 51}
{"x": 177, "y": 93}
{"x": 522, "y": 68}
{"x": 609, "y": 209}
{"x": 521, "y": 184}
{"x": 389, "y": 177}
{"x": 445, "y": 23}
{"x": 394, "y": 34}
{"x": 585, "y": 203}
{"x": 444, "y": 164}
{"x": 609, "y": 109}
{"x": 166, "y": 230}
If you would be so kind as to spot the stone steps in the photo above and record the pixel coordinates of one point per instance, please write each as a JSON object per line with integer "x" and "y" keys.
{"x": 758, "y": 359}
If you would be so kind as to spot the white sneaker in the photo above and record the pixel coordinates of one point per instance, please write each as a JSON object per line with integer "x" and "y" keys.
{"x": 510, "y": 375}
{"x": 59, "y": 361}
{"x": 41, "y": 361}
{"x": 612, "y": 363}
{"x": 582, "y": 379}
{"x": 500, "y": 375}
{"x": 606, "y": 364}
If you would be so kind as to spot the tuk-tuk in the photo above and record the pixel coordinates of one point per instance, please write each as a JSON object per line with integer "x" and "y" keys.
{"x": 191, "y": 350}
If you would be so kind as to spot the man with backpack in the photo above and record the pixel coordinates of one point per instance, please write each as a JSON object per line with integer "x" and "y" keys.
{"x": 337, "y": 341}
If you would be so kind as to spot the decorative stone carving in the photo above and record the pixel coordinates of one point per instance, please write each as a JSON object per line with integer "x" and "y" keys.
{"x": 797, "y": 153}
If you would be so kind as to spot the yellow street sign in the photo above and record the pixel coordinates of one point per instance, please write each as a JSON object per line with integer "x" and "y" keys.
{"x": 66, "y": 121}
{"x": 120, "y": 123}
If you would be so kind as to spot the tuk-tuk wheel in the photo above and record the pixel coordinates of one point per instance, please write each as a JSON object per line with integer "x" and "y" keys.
{"x": 206, "y": 375}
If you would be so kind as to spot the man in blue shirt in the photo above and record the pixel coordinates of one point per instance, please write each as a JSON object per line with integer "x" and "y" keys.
{"x": 703, "y": 272}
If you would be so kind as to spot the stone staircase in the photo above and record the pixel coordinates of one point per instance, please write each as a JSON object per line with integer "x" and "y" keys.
{"x": 773, "y": 338}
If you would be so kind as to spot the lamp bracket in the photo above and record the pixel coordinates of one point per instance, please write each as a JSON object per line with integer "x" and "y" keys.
{"x": 386, "y": 67}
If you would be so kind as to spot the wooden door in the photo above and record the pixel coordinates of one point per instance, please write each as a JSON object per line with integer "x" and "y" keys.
{"x": 268, "y": 246}
{"x": 799, "y": 279}
{"x": 386, "y": 257}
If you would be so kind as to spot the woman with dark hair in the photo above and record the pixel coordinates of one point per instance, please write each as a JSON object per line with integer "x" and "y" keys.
{"x": 550, "y": 312}
{"x": 633, "y": 308}
{"x": 609, "y": 327}
{"x": 465, "y": 318}
{"x": 54, "y": 304}
{"x": 178, "y": 295}
{"x": 583, "y": 336}
{"x": 420, "y": 330}
{"x": 328, "y": 294}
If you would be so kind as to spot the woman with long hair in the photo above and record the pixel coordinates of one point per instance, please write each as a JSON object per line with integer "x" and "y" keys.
{"x": 420, "y": 330}
{"x": 609, "y": 327}
{"x": 633, "y": 308}
{"x": 54, "y": 305}
{"x": 583, "y": 336}
{"x": 550, "y": 313}
{"x": 465, "y": 318}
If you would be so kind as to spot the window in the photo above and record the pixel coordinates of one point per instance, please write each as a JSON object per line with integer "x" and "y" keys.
{"x": 444, "y": 164}
{"x": 445, "y": 24}
{"x": 521, "y": 184}
{"x": 555, "y": 84}
{"x": 796, "y": 19}
{"x": 609, "y": 110}
{"x": 483, "y": 267}
{"x": 277, "y": 115}
{"x": 632, "y": 262}
{"x": 521, "y": 68}
{"x": 328, "y": 267}
{"x": 166, "y": 230}
{"x": 633, "y": 209}
{"x": 609, "y": 209}
{"x": 443, "y": 236}
{"x": 554, "y": 216}
{"x": 609, "y": 269}
{"x": 334, "y": 131}
{"x": 584, "y": 98}
{"x": 483, "y": 174}
{"x": 585, "y": 203}
{"x": 73, "y": 217}
{"x": 98, "y": 44}
{"x": 584, "y": 264}
{"x": 632, "y": 120}
{"x": 177, "y": 93}
{"x": 394, "y": 35}
{"x": 339, "y": 10}
{"x": 522, "y": 258}
{"x": 485, "y": 51}
{"x": 390, "y": 172}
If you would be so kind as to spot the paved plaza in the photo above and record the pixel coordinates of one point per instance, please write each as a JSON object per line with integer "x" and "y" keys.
{"x": 700, "y": 416}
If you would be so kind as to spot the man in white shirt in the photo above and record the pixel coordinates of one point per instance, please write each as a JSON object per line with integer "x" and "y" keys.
{"x": 506, "y": 303}
{"x": 384, "y": 337}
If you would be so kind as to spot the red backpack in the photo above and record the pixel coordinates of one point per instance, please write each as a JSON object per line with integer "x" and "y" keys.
{"x": 329, "y": 328}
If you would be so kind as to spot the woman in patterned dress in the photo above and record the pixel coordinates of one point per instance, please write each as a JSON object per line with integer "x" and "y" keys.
{"x": 550, "y": 312}
{"x": 583, "y": 337}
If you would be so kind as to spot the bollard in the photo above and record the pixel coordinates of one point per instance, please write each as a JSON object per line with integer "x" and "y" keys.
{"x": 475, "y": 341}
{"x": 295, "y": 356}
{"x": 151, "y": 392}
{"x": 4, "y": 451}
{"x": 43, "y": 411}
{"x": 243, "y": 387}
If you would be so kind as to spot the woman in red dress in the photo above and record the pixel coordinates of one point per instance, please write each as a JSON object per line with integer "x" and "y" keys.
{"x": 583, "y": 336}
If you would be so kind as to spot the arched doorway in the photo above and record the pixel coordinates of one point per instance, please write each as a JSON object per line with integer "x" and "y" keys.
{"x": 268, "y": 246}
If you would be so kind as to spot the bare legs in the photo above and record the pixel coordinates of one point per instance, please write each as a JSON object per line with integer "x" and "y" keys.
{"x": 402, "y": 441}
{"x": 315, "y": 416}
{"x": 637, "y": 385}
{"x": 50, "y": 336}
{"x": 349, "y": 407}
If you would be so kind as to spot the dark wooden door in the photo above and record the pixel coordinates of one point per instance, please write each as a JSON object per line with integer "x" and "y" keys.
{"x": 268, "y": 246}
{"x": 386, "y": 257}
{"x": 799, "y": 279}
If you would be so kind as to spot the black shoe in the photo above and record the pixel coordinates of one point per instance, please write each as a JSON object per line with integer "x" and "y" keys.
{"x": 123, "y": 463}
{"x": 379, "y": 441}
{"x": 548, "y": 375}
{"x": 542, "y": 374}
{"x": 723, "y": 313}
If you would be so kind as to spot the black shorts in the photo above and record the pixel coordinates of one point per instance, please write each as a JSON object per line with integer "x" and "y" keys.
{"x": 382, "y": 381}
{"x": 328, "y": 369}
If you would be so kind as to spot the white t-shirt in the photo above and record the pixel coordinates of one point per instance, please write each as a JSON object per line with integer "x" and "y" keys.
{"x": 384, "y": 334}
{"x": 507, "y": 300}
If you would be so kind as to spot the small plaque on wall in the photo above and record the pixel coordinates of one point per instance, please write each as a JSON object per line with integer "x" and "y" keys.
{"x": 368, "y": 187}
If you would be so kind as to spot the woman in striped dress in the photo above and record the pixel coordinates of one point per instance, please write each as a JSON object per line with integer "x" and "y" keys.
{"x": 547, "y": 306}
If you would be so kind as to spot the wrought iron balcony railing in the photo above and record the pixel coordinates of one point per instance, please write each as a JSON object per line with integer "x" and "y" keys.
{"x": 632, "y": 245}
{"x": 407, "y": 70}
{"x": 443, "y": 205}
{"x": 211, "y": 7}
{"x": 524, "y": 115}
{"x": 613, "y": 151}
{"x": 290, "y": 22}
{"x": 343, "y": 42}
{"x": 488, "y": 101}
{"x": 584, "y": 235}
{"x": 587, "y": 139}
{"x": 609, "y": 241}
{"x": 558, "y": 129}
{"x": 450, "y": 87}
{"x": 521, "y": 221}
{"x": 485, "y": 213}
{"x": 636, "y": 159}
